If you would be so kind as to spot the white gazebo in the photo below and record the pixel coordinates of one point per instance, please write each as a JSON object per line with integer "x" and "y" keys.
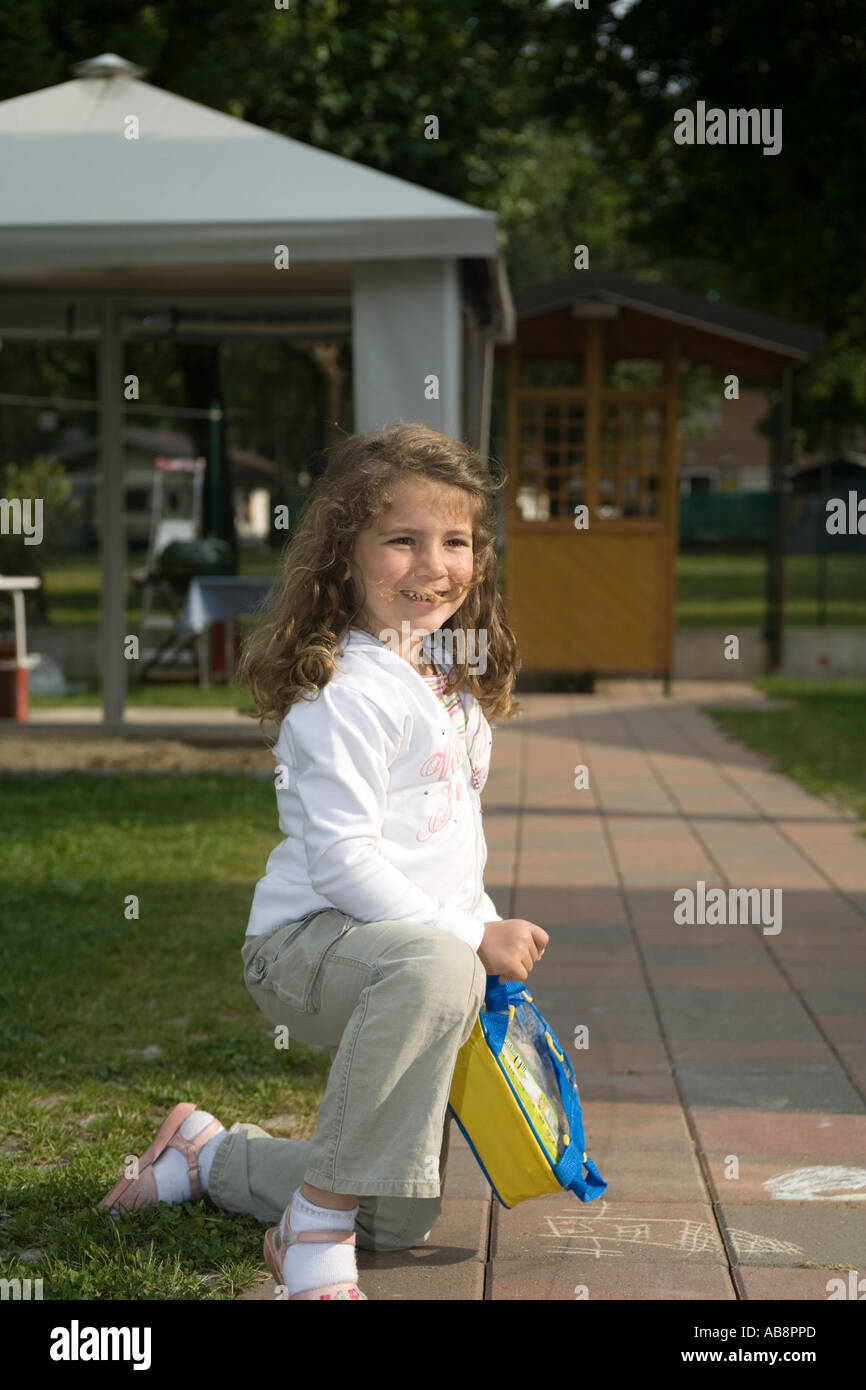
{"x": 129, "y": 213}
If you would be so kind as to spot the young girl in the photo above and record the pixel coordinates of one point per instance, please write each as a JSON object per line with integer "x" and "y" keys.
{"x": 385, "y": 653}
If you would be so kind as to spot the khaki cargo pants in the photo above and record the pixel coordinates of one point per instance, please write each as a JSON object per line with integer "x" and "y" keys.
{"x": 393, "y": 1002}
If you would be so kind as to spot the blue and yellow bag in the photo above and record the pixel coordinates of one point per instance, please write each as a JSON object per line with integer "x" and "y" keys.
{"x": 514, "y": 1096}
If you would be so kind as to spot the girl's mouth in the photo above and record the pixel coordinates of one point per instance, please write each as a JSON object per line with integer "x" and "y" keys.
{"x": 420, "y": 597}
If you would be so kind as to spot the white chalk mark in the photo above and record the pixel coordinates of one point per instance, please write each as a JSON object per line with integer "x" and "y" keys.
{"x": 600, "y": 1233}
{"x": 820, "y": 1184}
{"x": 748, "y": 1243}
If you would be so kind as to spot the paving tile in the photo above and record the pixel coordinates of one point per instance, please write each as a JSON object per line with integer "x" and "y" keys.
{"x": 421, "y": 1276}
{"x": 849, "y": 999}
{"x": 820, "y": 1089}
{"x": 837, "y": 934}
{"x": 651, "y": 1126}
{"x": 609, "y": 1023}
{"x": 635, "y": 1174}
{"x": 467, "y": 1181}
{"x": 853, "y": 1055}
{"x": 709, "y": 977}
{"x": 614, "y": 1058}
{"x": 652, "y": 1087}
{"x": 794, "y": 1233}
{"x": 821, "y": 953}
{"x": 592, "y": 997}
{"x": 559, "y": 1229}
{"x": 606, "y": 1278}
{"x": 842, "y": 976}
{"x": 751, "y": 1055}
{"x": 779, "y": 1178}
{"x": 585, "y": 910}
{"x": 790, "y": 1285}
{"x": 845, "y": 1027}
{"x": 566, "y": 967}
{"x": 705, "y": 951}
{"x": 840, "y": 855}
{"x": 649, "y": 906}
{"x": 757, "y": 1067}
{"x": 762, "y": 858}
{"x": 564, "y": 1013}
{"x": 829, "y": 1137}
{"x": 764, "y": 1023}
{"x": 463, "y": 1174}
{"x": 702, "y": 1001}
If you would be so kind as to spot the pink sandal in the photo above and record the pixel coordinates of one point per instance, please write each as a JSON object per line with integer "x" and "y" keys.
{"x": 137, "y": 1194}
{"x": 279, "y": 1238}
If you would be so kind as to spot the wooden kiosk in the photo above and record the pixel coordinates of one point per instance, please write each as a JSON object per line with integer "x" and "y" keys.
{"x": 592, "y": 592}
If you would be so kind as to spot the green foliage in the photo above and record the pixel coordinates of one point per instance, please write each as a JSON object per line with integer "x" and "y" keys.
{"x": 44, "y": 478}
{"x": 558, "y": 120}
{"x": 782, "y": 234}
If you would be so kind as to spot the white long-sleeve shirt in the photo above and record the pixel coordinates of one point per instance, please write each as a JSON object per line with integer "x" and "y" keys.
{"x": 381, "y": 817}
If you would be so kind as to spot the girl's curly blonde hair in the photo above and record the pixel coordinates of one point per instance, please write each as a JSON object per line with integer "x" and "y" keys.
{"x": 291, "y": 652}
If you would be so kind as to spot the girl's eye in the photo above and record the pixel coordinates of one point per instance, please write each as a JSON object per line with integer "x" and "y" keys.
{"x": 455, "y": 540}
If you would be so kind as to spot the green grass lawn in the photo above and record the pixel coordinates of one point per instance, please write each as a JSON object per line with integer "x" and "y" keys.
{"x": 72, "y": 586}
{"x": 712, "y": 590}
{"x": 819, "y": 740}
{"x": 173, "y": 695}
{"x": 83, "y": 992}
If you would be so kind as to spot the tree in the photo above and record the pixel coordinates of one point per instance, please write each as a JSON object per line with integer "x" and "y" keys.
{"x": 42, "y": 485}
{"x": 553, "y": 117}
{"x": 780, "y": 233}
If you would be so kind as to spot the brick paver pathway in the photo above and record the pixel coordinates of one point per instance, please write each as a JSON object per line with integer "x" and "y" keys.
{"x": 723, "y": 1086}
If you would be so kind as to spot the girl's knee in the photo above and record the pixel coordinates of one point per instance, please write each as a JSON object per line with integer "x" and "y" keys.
{"x": 450, "y": 970}
{"x": 391, "y": 1224}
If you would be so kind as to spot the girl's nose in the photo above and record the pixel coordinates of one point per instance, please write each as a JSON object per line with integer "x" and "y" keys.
{"x": 431, "y": 566}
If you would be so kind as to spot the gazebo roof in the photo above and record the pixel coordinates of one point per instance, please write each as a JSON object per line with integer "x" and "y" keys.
{"x": 198, "y": 184}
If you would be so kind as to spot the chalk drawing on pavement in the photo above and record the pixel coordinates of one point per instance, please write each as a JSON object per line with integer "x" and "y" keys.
{"x": 820, "y": 1184}
{"x": 603, "y": 1234}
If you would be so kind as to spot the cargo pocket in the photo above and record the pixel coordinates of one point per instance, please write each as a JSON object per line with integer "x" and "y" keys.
{"x": 289, "y": 963}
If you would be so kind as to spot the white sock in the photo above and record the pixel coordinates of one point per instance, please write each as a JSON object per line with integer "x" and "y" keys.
{"x": 308, "y": 1264}
{"x": 171, "y": 1170}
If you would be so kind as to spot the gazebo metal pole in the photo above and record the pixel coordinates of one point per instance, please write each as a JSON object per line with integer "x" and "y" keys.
{"x": 781, "y": 472}
{"x": 670, "y": 513}
{"x": 822, "y": 542}
{"x": 215, "y": 520}
{"x": 112, "y": 538}
{"x": 787, "y": 404}
{"x": 486, "y": 396}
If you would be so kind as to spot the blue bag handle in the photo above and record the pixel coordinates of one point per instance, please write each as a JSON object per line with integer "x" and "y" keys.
{"x": 568, "y": 1171}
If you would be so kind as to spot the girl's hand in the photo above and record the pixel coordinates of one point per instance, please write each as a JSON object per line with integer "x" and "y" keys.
{"x": 510, "y": 949}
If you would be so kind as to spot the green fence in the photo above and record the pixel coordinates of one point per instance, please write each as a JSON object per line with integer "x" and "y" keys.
{"x": 716, "y": 517}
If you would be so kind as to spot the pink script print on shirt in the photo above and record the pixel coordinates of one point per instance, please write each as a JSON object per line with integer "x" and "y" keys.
{"x": 440, "y": 765}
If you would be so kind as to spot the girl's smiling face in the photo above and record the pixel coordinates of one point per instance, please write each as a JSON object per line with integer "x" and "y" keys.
{"x": 416, "y": 560}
